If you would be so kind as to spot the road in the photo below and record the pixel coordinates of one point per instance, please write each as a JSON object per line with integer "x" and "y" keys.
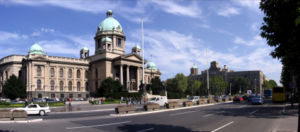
{"x": 229, "y": 117}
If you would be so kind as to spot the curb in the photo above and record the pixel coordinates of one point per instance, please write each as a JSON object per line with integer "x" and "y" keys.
{"x": 83, "y": 111}
{"x": 165, "y": 110}
{"x": 25, "y": 121}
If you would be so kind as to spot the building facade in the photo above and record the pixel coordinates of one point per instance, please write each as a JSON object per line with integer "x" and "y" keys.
{"x": 255, "y": 77}
{"x": 63, "y": 77}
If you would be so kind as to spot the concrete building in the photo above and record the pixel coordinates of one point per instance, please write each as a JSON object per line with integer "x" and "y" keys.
{"x": 256, "y": 77}
{"x": 54, "y": 76}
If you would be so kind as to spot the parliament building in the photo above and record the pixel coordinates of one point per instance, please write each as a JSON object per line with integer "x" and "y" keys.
{"x": 63, "y": 77}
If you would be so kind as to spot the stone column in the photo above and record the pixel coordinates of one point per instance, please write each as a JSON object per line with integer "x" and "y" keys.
{"x": 137, "y": 78}
{"x": 127, "y": 80}
{"x": 121, "y": 74}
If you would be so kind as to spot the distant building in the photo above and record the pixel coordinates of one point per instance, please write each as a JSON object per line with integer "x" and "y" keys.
{"x": 256, "y": 77}
{"x": 54, "y": 76}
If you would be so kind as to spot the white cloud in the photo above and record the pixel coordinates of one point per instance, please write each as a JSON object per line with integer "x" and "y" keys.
{"x": 228, "y": 11}
{"x": 256, "y": 41}
{"x": 172, "y": 7}
{"x": 250, "y": 4}
{"x": 58, "y": 47}
{"x": 8, "y": 36}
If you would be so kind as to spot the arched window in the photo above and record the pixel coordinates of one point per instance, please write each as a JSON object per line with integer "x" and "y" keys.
{"x": 52, "y": 72}
{"x": 70, "y": 73}
{"x": 86, "y": 74}
{"x": 78, "y": 86}
{"x": 61, "y": 86}
{"x": 70, "y": 86}
{"x": 119, "y": 43}
{"x": 38, "y": 84}
{"x": 39, "y": 71}
{"x": 52, "y": 84}
{"x": 78, "y": 73}
{"x": 61, "y": 72}
{"x": 86, "y": 86}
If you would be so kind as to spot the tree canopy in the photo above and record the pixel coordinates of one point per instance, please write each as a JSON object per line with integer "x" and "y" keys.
{"x": 157, "y": 86}
{"x": 217, "y": 85}
{"x": 14, "y": 88}
{"x": 239, "y": 83}
{"x": 108, "y": 86}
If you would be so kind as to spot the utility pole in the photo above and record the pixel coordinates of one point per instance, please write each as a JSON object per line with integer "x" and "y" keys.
{"x": 207, "y": 73}
{"x": 143, "y": 82}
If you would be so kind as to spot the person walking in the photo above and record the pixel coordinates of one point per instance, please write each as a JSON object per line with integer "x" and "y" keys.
{"x": 121, "y": 100}
{"x": 127, "y": 100}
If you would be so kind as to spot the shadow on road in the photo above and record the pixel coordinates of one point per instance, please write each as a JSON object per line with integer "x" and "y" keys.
{"x": 154, "y": 128}
{"x": 258, "y": 111}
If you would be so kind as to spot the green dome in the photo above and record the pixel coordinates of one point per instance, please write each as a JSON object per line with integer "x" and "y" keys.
{"x": 106, "y": 39}
{"x": 136, "y": 47}
{"x": 151, "y": 65}
{"x": 85, "y": 48}
{"x": 36, "y": 49}
{"x": 194, "y": 67}
{"x": 110, "y": 23}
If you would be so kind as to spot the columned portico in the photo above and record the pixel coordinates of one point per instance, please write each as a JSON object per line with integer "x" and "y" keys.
{"x": 127, "y": 78}
{"x": 121, "y": 74}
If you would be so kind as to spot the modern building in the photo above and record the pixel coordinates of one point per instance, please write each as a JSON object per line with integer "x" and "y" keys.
{"x": 256, "y": 77}
{"x": 54, "y": 76}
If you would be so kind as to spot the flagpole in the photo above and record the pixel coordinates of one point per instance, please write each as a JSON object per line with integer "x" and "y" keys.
{"x": 143, "y": 56}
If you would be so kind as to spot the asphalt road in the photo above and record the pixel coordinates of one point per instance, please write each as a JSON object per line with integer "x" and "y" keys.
{"x": 230, "y": 117}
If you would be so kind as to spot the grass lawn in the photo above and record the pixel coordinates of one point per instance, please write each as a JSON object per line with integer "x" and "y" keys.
{"x": 53, "y": 104}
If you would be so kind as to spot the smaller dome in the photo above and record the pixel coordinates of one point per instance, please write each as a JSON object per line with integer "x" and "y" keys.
{"x": 194, "y": 67}
{"x": 36, "y": 49}
{"x": 151, "y": 65}
{"x": 85, "y": 48}
{"x": 136, "y": 47}
{"x": 106, "y": 39}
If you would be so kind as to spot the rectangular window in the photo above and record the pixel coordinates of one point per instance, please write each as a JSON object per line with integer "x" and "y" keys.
{"x": 119, "y": 44}
{"x": 70, "y": 95}
{"x": 79, "y": 95}
{"x": 62, "y": 95}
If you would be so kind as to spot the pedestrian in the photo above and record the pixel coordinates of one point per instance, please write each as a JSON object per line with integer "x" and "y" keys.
{"x": 127, "y": 100}
{"x": 121, "y": 101}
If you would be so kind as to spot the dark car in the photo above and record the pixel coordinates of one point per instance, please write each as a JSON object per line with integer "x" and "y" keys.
{"x": 245, "y": 97}
{"x": 251, "y": 97}
{"x": 237, "y": 99}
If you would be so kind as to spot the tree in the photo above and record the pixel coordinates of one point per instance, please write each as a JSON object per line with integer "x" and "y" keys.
{"x": 14, "y": 88}
{"x": 156, "y": 86}
{"x": 177, "y": 86}
{"x": 282, "y": 32}
{"x": 239, "y": 83}
{"x": 217, "y": 85}
{"x": 108, "y": 86}
{"x": 193, "y": 87}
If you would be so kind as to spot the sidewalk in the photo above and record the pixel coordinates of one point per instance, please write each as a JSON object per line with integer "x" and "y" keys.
{"x": 289, "y": 120}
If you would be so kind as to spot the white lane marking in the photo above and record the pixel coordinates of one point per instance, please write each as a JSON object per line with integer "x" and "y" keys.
{"x": 207, "y": 115}
{"x": 182, "y": 113}
{"x": 109, "y": 124}
{"x": 253, "y": 112}
{"x": 149, "y": 129}
{"x": 222, "y": 126}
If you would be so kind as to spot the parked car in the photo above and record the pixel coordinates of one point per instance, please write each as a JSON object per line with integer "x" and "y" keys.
{"x": 16, "y": 102}
{"x": 51, "y": 100}
{"x": 225, "y": 97}
{"x": 161, "y": 100}
{"x": 39, "y": 100}
{"x": 237, "y": 99}
{"x": 251, "y": 97}
{"x": 257, "y": 100}
{"x": 34, "y": 109}
{"x": 194, "y": 99}
{"x": 245, "y": 97}
{"x": 216, "y": 98}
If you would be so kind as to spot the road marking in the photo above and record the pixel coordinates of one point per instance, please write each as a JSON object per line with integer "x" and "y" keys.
{"x": 182, "y": 113}
{"x": 207, "y": 115}
{"x": 222, "y": 126}
{"x": 109, "y": 124}
{"x": 149, "y": 129}
{"x": 253, "y": 112}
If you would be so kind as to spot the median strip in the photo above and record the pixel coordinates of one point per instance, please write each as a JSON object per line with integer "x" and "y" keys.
{"x": 109, "y": 124}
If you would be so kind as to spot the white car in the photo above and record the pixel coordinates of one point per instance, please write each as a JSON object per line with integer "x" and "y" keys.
{"x": 161, "y": 100}
{"x": 35, "y": 109}
{"x": 194, "y": 99}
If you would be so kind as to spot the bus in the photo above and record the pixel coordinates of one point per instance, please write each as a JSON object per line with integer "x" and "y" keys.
{"x": 279, "y": 94}
{"x": 268, "y": 93}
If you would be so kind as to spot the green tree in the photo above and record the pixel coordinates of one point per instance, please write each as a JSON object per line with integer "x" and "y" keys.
{"x": 239, "y": 83}
{"x": 193, "y": 87}
{"x": 217, "y": 85}
{"x": 156, "y": 86}
{"x": 108, "y": 86}
{"x": 14, "y": 88}
{"x": 177, "y": 86}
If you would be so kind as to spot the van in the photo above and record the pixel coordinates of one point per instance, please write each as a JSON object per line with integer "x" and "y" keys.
{"x": 161, "y": 100}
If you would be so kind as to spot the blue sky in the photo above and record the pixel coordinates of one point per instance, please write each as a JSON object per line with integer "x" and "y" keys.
{"x": 177, "y": 33}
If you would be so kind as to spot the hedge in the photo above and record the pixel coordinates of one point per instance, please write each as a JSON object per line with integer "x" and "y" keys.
{"x": 123, "y": 94}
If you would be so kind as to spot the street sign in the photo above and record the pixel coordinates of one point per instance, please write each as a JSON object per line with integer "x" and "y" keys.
{"x": 249, "y": 92}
